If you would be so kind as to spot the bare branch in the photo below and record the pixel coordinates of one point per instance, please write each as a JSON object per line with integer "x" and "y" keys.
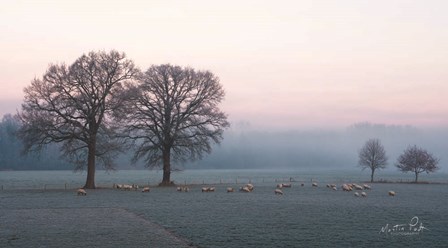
{"x": 72, "y": 104}
{"x": 417, "y": 160}
{"x": 174, "y": 114}
{"x": 373, "y": 156}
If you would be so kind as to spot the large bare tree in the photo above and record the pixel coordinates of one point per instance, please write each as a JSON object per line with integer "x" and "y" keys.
{"x": 417, "y": 160}
{"x": 173, "y": 116}
{"x": 72, "y": 105}
{"x": 372, "y": 156}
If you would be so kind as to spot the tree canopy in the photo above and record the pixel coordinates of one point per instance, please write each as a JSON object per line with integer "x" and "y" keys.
{"x": 372, "y": 156}
{"x": 417, "y": 160}
{"x": 173, "y": 116}
{"x": 72, "y": 105}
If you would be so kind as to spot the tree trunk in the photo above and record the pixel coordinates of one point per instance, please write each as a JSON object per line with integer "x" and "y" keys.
{"x": 90, "y": 181}
{"x": 371, "y": 176}
{"x": 416, "y": 176}
{"x": 166, "y": 181}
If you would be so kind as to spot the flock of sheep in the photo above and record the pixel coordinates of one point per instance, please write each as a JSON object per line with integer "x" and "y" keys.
{"x": 249, "y": 188}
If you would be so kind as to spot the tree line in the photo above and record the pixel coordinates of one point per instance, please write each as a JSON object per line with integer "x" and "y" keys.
{"x": 413, "y": 159}
{"x": 103, "y": 104}
{"x": 11, "y": 147}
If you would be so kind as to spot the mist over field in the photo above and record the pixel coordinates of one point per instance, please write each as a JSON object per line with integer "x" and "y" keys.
{"x": 244, "y": 147}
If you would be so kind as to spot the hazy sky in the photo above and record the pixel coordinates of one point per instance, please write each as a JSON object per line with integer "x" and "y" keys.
{"x": 284, "y": 64}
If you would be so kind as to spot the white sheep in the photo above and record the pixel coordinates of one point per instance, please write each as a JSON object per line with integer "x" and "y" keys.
{"x": 314, "y": 184}
{"x": 286, "y": 185}
{"x": 367, "y": 186}
{"x": 127, "y": 187}
{"x": 278, "y": 192}
{"x": 250, "y": 186}
{"x": 363, "y": 194}
{"x": 245, "y": 189}
{"x": 183, "y": 189}
{"x": 146, "y": 189}
{"x": 357, "y": 186}
{"x": 392, "y": 193}
{"x": 346, "y": 187}
{"x": 356, "y": 194}
{"x": 81, "y": 192}
{"x": 230, "y": 189}
{"x": 208, "y": 189}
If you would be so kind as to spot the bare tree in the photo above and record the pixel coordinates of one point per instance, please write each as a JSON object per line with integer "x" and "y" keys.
{"x": 373, "y": 156}
{"x": 417, "y": 160}
{"x": 72, "y": 104}
{"x": 173, "y": 116}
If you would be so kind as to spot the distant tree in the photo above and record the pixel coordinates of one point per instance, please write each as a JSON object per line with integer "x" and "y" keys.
{"x": 417, "y": 160}
{"x": 173, "y": 116}
{"x": 372, "y": 156}
{"x": 72, "y": 105}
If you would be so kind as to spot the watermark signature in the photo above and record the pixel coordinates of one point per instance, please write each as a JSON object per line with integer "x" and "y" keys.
{"x": 414, "y": 227}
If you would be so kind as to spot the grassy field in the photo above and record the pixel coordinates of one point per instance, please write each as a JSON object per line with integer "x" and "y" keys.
{"x": 302, "y": 217}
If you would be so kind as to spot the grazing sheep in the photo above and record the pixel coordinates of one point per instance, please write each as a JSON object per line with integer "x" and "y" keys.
{"x": 286, "y": 185}
{"x": 81, "y": 192}
{"x": 245, "y": 189}
{"x": 208, "y": 189}
{"x": 250, "y": 187}
{"x": 346, "y": 187}
{"x": 363, "y": 194}
{"x": 146, "y": 189}
{"x": 118, "y": 186}
{"x": 280, "y": 185}
{"x": 392, "y": 193}
{"x": 127, "y": 187}
{"x": 334, "y": 188}
{"x": 356, "y": 194}
{"x": 333, "y": 185}
{"x": 278, "y": 192}
{"x": 229, "y": 190}
{"x": 183, "y": 189}
{"x": 367, "y": 186}
{"x": 314, "y": 184}
{"x": 357, "y": 186}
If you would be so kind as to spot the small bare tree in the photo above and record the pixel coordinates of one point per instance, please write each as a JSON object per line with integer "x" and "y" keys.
{"x": 373, "y": 156}
{"x": 71, "y": 105}
{"x": 417, "y": 160}
{"x": 173, "y": 116}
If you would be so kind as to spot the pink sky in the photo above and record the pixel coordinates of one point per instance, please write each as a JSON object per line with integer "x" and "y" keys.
{"x": 284, "y": 64}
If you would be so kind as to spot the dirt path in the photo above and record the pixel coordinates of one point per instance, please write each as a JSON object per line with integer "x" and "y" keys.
{"x": 85, "y": 227}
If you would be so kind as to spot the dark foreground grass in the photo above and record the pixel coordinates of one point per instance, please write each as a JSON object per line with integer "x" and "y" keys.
{"x": 86, "y": 227}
